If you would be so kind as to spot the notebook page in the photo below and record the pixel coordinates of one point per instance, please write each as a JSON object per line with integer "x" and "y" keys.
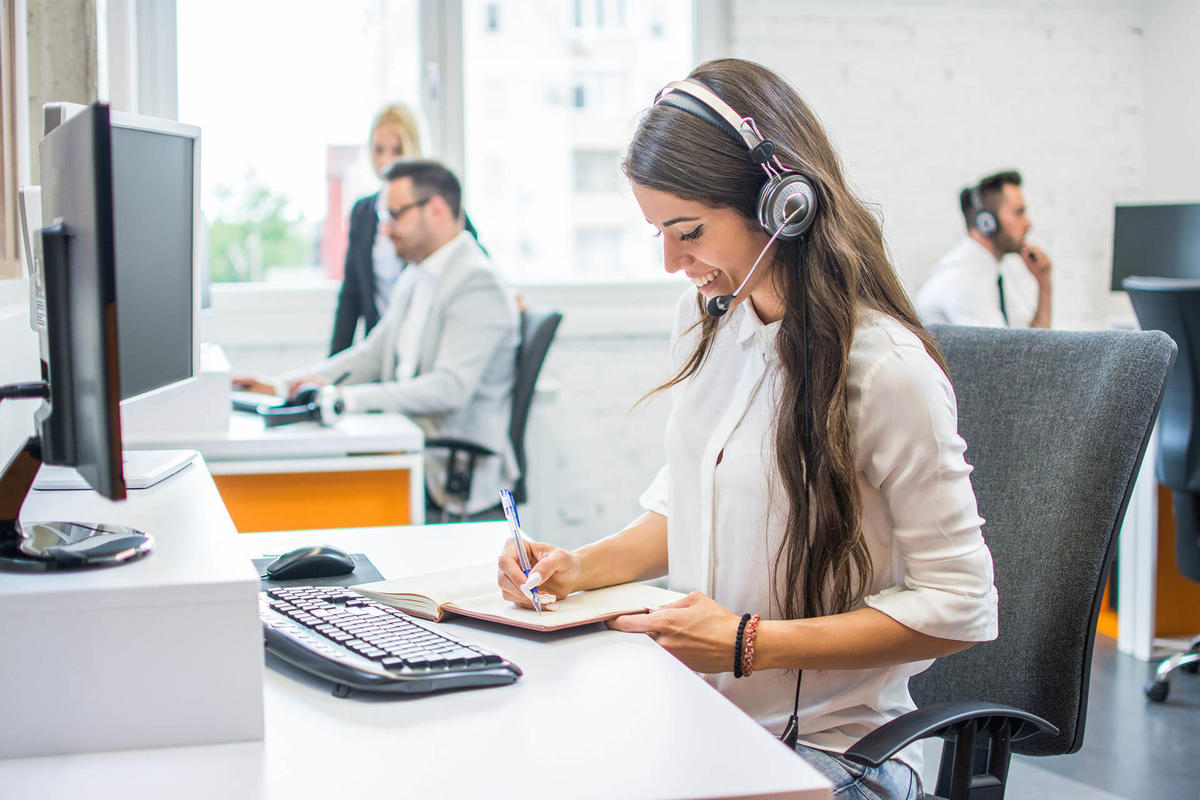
{"x": 577, "y": 609}
{"x": 438, "y": 587}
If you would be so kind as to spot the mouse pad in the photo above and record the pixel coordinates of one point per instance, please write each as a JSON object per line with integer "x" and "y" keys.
{"x": 364, "y": 572}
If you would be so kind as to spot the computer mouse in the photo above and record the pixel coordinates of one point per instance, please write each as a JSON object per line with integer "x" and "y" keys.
{"x": 319, "y": 561}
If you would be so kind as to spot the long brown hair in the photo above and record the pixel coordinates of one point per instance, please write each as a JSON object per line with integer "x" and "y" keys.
{"x": 842, "y": 264}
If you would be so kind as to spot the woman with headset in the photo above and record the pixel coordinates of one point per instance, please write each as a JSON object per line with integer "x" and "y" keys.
{"x": 816, "y": 504}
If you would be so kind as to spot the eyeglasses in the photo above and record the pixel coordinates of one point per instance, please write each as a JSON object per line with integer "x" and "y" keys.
{"x": 396, "y": 213}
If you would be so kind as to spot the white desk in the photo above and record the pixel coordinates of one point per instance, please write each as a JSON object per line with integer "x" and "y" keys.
{"x": 166, "y": 650}
{"x": 365, "y": 470}
{"x": 598, "y": 714}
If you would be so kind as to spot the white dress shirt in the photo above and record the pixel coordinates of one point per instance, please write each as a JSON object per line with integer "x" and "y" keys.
{"x": 414, "y": 293}
{"x": 386, "y": 264}
{"x": 962, "y": 289}
{"x": 932, "y": 569}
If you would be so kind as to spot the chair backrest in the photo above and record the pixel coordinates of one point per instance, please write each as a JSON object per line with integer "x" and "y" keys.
{"x": 1056, "y": 424}
{"x": 1172, "y": 305}
{"x": 538, "y": 326}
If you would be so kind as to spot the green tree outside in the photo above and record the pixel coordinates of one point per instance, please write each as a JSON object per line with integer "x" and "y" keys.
{"x": 255, "y": 232}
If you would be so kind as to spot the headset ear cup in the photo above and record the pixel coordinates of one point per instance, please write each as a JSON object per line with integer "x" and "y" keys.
{"x": 774, "y": 206}
{"x": 986, "y": 223}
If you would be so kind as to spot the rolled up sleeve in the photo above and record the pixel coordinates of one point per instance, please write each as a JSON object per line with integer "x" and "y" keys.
{"x": 909, "y": 449}
{"x": 656, "y": 496}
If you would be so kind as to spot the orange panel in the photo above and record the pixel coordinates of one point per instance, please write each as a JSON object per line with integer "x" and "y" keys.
{"x": 1177, "y": 600}
{"x": 311, "y": 500}
{"x": 1107, "y": 622}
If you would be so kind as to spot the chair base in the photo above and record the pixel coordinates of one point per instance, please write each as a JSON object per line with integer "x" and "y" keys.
{"x": 1189, "y": 660}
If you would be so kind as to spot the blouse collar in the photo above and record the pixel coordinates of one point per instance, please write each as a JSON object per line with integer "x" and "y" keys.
{"x": 749, "y": 326}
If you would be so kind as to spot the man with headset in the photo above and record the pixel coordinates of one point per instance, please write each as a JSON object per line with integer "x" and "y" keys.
{"x": 444, "y": 352}
{"x": 972, "y": 285}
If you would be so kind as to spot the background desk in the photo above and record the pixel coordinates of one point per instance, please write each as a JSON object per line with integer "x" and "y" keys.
{"x": 367, "y": 470}
{"x": 598, "y": 714}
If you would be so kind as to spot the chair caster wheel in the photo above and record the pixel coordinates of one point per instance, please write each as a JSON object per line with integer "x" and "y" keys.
{"x": 1157, "y": 691}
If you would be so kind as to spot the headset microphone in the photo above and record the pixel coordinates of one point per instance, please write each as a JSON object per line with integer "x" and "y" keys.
{"x": 717, "y": 306}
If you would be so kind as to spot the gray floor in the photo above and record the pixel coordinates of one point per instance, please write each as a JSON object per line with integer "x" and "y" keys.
{"x": 1132, "y": 748}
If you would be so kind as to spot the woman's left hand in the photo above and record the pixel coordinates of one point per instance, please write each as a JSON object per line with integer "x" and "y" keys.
{"x": 697, "y": 630}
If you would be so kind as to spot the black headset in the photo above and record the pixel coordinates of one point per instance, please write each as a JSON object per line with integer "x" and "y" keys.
{"x": 787, "y": 204}
{"x": 983, "y": 220}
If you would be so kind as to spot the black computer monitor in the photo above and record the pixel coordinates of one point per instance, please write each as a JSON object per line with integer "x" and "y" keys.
{"x": 79, "y": 423}
{"x": 1158, "y": 241}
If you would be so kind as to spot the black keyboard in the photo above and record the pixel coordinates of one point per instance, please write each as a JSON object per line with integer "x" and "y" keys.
{"x": 359, "y": 643}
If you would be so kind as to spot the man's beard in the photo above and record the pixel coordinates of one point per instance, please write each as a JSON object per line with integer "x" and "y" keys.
{"x": 1006, "y": 243}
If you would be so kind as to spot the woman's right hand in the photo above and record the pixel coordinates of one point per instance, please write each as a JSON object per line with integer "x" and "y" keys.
{"x": 555, "y": 571}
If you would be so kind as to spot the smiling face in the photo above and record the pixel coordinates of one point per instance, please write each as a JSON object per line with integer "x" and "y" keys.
{"x": 715, "y": 247}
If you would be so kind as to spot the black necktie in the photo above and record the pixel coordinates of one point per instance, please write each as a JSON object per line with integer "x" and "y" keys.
{"x": 1000, "y": 287}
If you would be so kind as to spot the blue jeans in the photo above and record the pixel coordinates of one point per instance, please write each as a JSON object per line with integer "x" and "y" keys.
{"x": 895, "y": 780}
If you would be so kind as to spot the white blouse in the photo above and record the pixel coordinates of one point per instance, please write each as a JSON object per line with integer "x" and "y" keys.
{"x": 932, "y": 569}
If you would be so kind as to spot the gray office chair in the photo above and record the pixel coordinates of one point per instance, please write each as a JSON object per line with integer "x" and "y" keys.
{"x": 1172, "y": 305}
{"x": 538, "y": 326}
{"x": 1056, "y": 424}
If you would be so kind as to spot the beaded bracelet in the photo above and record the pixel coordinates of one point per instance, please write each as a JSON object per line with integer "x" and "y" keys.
{"x": 737, "y": 648}
{"x": 748, "y": 645}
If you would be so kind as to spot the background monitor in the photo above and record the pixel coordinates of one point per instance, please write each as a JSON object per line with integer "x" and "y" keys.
{"x": 1159, "y": 241}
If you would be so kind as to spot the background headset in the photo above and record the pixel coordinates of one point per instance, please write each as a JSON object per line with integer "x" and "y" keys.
{"x": 984, "y": 221}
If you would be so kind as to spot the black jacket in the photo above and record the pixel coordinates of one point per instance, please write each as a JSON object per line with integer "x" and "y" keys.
{"x": 357, "y": 296}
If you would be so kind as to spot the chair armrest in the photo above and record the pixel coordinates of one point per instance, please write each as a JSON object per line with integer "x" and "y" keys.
{"x": 945, "y": 720}
{"x": 458, "y": 446}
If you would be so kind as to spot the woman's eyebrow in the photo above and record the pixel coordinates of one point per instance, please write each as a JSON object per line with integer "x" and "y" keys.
{"x": 673, "y": 221}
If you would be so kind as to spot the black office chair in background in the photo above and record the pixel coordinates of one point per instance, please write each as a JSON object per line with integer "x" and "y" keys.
{"x": 538, "y": 326}
{"x": 1172, "y": 305}
{"x": 1056, "y": 424}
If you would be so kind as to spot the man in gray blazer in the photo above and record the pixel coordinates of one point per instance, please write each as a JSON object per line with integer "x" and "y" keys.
{"x": 444, "y": 353}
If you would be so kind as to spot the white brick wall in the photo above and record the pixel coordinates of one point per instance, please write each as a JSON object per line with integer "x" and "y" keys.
{"x": 923, "y": 98}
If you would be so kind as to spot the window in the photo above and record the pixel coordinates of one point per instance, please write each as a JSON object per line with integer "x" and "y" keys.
{"x": 284, "y": 93}
{"x": 544, "y": 101}
{"x": 9, "y": 264}
{"x": 549, "y": 104}
{"x": 598, "y": 171}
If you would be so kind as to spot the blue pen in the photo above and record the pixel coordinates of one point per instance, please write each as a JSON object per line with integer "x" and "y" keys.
{"x": 514, "y": 525}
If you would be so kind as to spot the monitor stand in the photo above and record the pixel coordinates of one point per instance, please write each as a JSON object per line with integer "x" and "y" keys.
{"x": 52, "y": 546}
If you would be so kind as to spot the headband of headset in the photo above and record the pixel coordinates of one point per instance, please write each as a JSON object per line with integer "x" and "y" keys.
{"x": 700, "y": 101}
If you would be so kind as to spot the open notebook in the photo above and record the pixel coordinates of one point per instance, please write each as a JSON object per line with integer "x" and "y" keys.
{"x": 472, "y": 592}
